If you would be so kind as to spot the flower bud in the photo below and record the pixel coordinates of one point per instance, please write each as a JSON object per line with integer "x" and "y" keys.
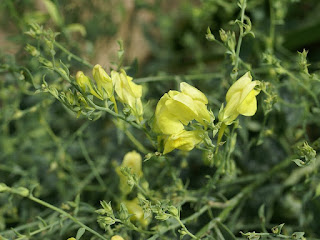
{"x": 85, "y": 84}
{"x": 173, "y": 211}
{"x": 117, "y": 237}
{"x": 184, "y": 140}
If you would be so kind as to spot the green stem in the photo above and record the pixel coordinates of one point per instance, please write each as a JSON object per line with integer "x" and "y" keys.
{"x": 185, "y": 228}
{"x": 75, "y": 57}
{"x": 301, "y": 85}
{"x": 136, "y": 142}
{"x": 38, "y": 230}
{"x": 235, "y": 69}
{"x": 48, "y": 205}
{"x": 184, "y": 77}
{"x": 232, "y": 203}
{"x": 184, "y": 221}
{"x": 91, "y": 163}
{"x": 220, "y": 135}
{"x": 272, "y": 27}
{"x": 114, "y": 114}
{"x": 112, "y": 99}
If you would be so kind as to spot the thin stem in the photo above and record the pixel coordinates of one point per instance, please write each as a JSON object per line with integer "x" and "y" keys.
{"x": 114, "y": 114}
{"x": 185, "y": 228}
{"x": 38, "y": 230}
{"x": 184, "y": 77}
{"x": 114, "y": 103}
{"x": 243, "y": 8}
{"x": 302, "y": 85}
{"x": 272, "y": 27}
{"x": 48, "y": 205}
{"x": 232, "y": 203}
{"x": 91, "y": 163}
{"x": 220, "y": 134}
{"x": 184, "y": 221}
{"x": 136, "y": 142}
{"x": 84, "y": 62}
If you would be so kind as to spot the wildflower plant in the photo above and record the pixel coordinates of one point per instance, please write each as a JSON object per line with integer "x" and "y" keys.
{"x": 184, "y": 143}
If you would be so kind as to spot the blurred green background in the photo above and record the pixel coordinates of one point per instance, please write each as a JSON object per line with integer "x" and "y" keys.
{"x": 43, "y": 146}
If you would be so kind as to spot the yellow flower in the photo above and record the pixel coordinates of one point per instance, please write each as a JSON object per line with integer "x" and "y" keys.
{"x": 132, "y": 160}
{"x": 85, "y": 84}
{"x": 241, "y": 99}
{"x": 72, "y": 238}
{"x": 184, "y": 140}
{"x": 117, "y": 237}
{"x": 104, "y": 82}
{"x": 127, "y": 91}
{"x": 137, "y": 211}
{"x": 176, "y": 109}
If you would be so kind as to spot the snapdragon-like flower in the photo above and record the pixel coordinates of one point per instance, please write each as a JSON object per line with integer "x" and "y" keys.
{"x": 127, "y": 91}
{"x": 104, "y": 82}
{"x": 174, "y": 111}
{"x": 241, "y": 99}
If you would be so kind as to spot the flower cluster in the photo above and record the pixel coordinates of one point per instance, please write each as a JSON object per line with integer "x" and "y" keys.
{"x": 174, "y": 111}
{"x": 127, "y": 91}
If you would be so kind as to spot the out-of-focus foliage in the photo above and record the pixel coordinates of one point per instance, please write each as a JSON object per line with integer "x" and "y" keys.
{"x": 62, "y": 172}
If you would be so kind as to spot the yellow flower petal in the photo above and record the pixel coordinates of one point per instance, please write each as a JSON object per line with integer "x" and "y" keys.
{"x": 168, "y": 123}
{"x": 203, "y": 113}
{"x": 180, "y": 111}
{"x": 249, "y": 105}
{"x": 241, "y": 99}
{"x": 193, "y": 92}
{"x": 239, "y": 85}
{"x": 230, "y": 111}
{"x": 127, "y": 91}
{"x": 184, "y": 140}
{"x": 104, "y": 82}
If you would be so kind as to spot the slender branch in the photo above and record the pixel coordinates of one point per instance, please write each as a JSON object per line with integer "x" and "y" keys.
{"x": 91, "y": 164}
{"x": 272, "y": 27}
{"x": 136, "y": 142}
{"x": 74, "y": 219}
{"x": 75, "y": 57}
{"x": 243, "y": 8}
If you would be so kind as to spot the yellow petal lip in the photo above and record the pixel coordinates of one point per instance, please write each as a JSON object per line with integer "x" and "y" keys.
{"x": 169, "y": 123}
{"x": 193, "y": 92}
{"x": 248, "y": 107}
{"x": 182, "y": 106}
{"x": 184, "y": 140}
